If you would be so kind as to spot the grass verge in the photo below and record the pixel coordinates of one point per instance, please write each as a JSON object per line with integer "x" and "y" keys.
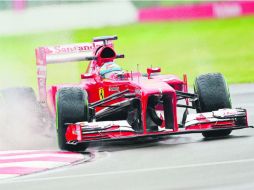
{"x": 193, "y": 48}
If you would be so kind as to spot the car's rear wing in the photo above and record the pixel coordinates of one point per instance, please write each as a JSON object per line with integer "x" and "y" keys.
{"x": 61, "y": 54}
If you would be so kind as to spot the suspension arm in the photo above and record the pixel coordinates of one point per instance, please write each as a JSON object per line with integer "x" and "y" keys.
{"x": 108, "y": 99}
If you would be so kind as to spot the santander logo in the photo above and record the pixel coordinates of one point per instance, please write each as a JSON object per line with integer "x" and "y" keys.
{"x": 73, "y": 48}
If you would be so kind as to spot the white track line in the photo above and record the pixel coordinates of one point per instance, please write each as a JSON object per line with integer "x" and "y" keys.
{"x": 230, "y": 162}
{"x": 34, "y": 164}
{"x": 3, "y": 176}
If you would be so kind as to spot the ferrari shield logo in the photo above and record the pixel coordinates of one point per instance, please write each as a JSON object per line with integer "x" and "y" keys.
{"x": 101, "y": 93}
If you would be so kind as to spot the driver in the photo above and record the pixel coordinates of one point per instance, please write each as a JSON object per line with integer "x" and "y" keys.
{"x": 110, "y": 68}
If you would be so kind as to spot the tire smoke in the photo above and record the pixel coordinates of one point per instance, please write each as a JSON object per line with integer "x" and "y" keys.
{"x": 24, "y": 123}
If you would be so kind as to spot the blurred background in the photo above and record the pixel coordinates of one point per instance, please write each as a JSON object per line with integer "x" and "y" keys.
{"x": 191, "y": 37}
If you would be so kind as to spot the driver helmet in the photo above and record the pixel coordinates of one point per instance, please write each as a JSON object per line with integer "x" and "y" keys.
{"x": 109, "y": 68}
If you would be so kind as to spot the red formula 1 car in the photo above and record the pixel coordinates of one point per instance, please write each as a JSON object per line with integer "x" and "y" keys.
{"x": 130, "y": 105}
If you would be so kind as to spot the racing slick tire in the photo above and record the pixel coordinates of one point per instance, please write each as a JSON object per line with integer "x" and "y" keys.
{"x": 71, "y": 107}
{"x": 213, "y": 94}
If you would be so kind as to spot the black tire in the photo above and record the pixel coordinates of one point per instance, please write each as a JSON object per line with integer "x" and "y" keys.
{"x": 213, "y": 94}
{"x": 72, "y": 107}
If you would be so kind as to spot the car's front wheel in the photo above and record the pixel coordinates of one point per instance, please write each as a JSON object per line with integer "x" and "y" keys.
{"x": 212, "y": 94}
{"x": 72, "y": 107}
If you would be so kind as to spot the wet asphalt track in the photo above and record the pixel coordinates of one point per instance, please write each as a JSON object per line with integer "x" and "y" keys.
{"x": 181, "y": 162}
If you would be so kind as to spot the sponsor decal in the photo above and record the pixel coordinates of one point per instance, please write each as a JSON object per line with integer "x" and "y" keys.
{"x": 40, "y": 62}
{"x": 223, "y": 10}
{"x": 41, "y": 71}
{"x": 113, "y": 89}
{"x": 138, "y": 91}
{"x": 42, "y": 88}
{"x": 75, "y": 48}
{"x": 101, "y": 93}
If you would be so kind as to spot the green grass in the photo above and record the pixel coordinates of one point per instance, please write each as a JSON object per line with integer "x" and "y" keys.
{"x": 193, "y": 48}
{"x": 142, "y": 4}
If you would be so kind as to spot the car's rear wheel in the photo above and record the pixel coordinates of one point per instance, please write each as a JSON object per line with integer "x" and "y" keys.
{"x": 212, "y": 94}
{"x": 72, "y": 107}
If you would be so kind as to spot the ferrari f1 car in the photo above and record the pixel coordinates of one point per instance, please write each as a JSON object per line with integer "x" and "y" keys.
{"x": 131, "y": 105}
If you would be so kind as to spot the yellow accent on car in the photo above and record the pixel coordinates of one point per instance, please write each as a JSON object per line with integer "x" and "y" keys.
{"x": 101, "y": 93}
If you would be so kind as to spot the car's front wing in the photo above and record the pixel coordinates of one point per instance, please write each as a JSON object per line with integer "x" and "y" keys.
{"x": 120, "y": 130}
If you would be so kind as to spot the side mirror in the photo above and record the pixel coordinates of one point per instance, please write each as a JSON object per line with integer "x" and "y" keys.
{"x": 86, "y": 76}
{"x": 152, "y": 70}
